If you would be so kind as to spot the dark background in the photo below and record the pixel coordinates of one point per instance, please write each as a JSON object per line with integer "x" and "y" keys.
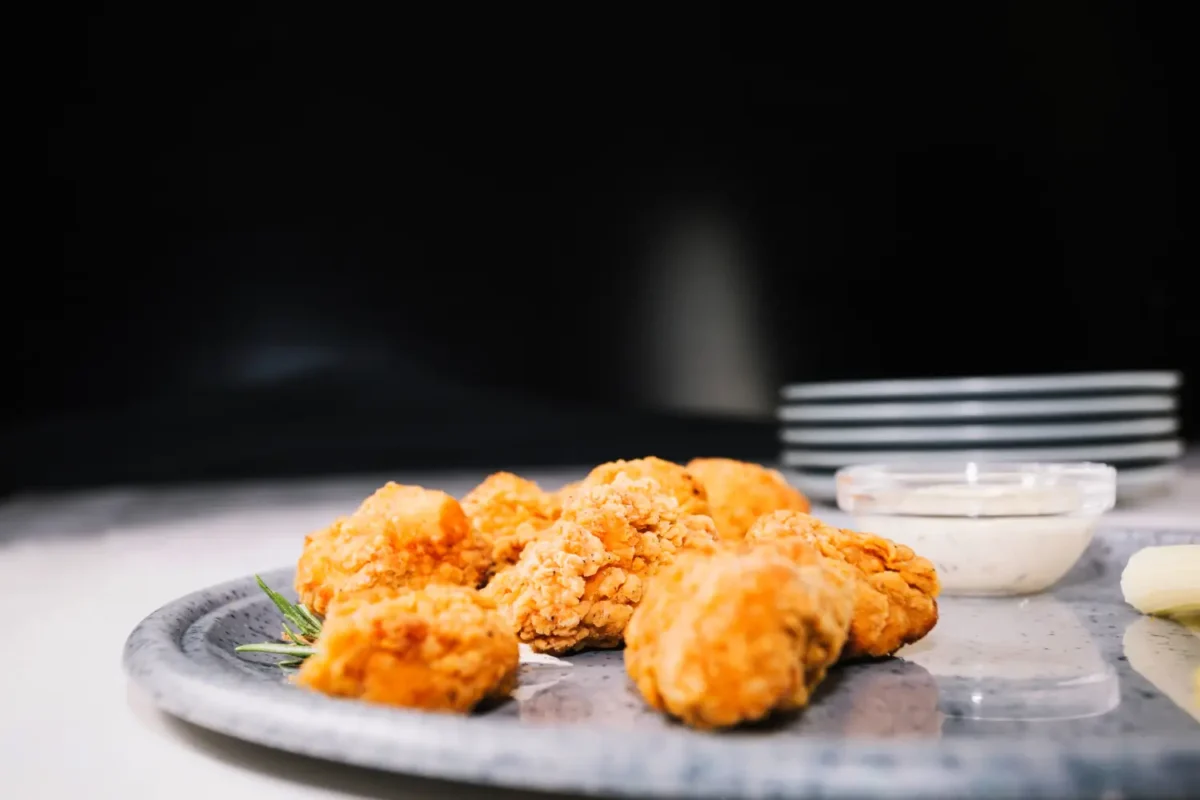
{"x": 282, "y": 243}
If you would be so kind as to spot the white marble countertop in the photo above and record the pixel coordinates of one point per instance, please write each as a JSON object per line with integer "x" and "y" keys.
{"x": 81, "y": 569}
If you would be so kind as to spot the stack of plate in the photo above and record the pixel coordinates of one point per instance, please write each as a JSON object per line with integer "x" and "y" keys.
{"x": 1126, "y": 419}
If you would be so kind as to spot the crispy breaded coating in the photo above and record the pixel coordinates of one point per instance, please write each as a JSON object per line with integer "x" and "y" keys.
{"x": 740, "y": 492}
{"x": 671, "y": 477}
{"x": 897, "y": 606}
{"x": 727, "y": 638}
{"x": 440, "y": 648}
{"x": 576, "y": 586}
{"x": 507, "y": 550}
{"x": 564, "y": 494}
{"x": 870, "y": 605}
{"x": 399, "y": 536}
{"x": 507, "y": 512}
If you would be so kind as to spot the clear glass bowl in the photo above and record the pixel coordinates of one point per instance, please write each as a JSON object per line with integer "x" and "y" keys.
{"x": 989, "y": 528}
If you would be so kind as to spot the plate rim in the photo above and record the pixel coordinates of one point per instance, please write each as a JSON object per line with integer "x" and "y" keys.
{"x": 968, "y": 409}
{"x": 1164, "y": 380}
{"x": 980, "y": 432}
{"x": 430, "y": 745}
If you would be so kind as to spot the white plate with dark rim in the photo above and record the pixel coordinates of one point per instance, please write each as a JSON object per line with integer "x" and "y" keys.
{"x": 882, "y": 728}
{"x": 1162, "y": 381}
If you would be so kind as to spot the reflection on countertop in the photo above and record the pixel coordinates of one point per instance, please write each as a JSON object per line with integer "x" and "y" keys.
{"x": 1016, "y": 659}
{"x": 889, "y": 699}
{"x": 1167, "y": 653}
{"x": 593, "y": 689}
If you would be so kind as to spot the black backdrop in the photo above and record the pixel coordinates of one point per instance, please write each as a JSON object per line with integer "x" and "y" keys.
{"x": 284, "y": 242}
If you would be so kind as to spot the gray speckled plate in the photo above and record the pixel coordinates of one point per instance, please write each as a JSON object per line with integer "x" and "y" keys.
{"x": 1029, "y": 697}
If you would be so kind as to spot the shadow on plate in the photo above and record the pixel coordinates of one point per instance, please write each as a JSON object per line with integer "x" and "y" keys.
{"x": 887, "y": 699}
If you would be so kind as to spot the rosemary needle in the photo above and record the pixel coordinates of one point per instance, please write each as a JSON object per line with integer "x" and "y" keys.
{"x": 307, "y": 625}
{"x": 293, "y": 637}
{"x": 310, "y": 616}
{"x": 295, "y": 650}
{"x": 298, "y": 637}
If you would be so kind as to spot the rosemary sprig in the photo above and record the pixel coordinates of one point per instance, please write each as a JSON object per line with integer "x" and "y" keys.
{"x": 303, "y": 611}
{"x": 297, "y": 638}
{"x": 304, "y": 620}
{"x": 295, "y": 650}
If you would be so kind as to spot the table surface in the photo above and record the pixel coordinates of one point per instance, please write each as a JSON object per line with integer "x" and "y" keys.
{"x": 83, "y": 568}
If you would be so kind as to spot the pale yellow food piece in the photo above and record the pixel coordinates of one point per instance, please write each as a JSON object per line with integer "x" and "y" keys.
{"x": 740, "y": 492}
{"x": 507, "y": 512}
{"x": 400, "y": 536}
{"x": 576, "y": 586}
{"x": 672, "y": 479}
{"x": 440, "y": 648}
{"x": 895, "y": 597}
{"x": 727, "y": 638}
{"x": 1163, "y": 580}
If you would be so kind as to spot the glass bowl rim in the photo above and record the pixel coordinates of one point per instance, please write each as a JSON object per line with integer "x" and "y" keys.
{"x": 885, "y": 489}
{"x": 949, "y": 470}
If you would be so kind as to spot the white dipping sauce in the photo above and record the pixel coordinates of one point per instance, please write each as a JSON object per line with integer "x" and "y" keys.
{"x": 989, "y": 539}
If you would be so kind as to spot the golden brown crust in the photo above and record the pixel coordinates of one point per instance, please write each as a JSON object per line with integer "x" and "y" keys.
{"x": 672, "y": 479}
{"x": 507, "y": 512}
{"x": 870, "y": 605}
{"x": 576, "y": 586}
{"x": 440, "y": 648}
{"x": 897, "y": 589}
{"x": 399, "y": 536}
{"x": 730, "y": 637}
{"x": 740, "y": 492}
{"x": 564, "y": 494}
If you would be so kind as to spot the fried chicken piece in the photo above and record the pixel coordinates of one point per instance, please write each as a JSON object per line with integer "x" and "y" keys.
{"x": 671, "y": 477}
{"x": 895, "y": 591}
{"x": 399, "y": 536}
{"x": 563, "y": 496}
{"x": 507, "y": 549}
{"x": 740, "y": 492}
{"x": 730, "y": 637}
{"x": 870, "y": 605}
{"x": 440, "y": 648}
{"x": 507, "y": 512}
{"x": 576, "y": 586}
